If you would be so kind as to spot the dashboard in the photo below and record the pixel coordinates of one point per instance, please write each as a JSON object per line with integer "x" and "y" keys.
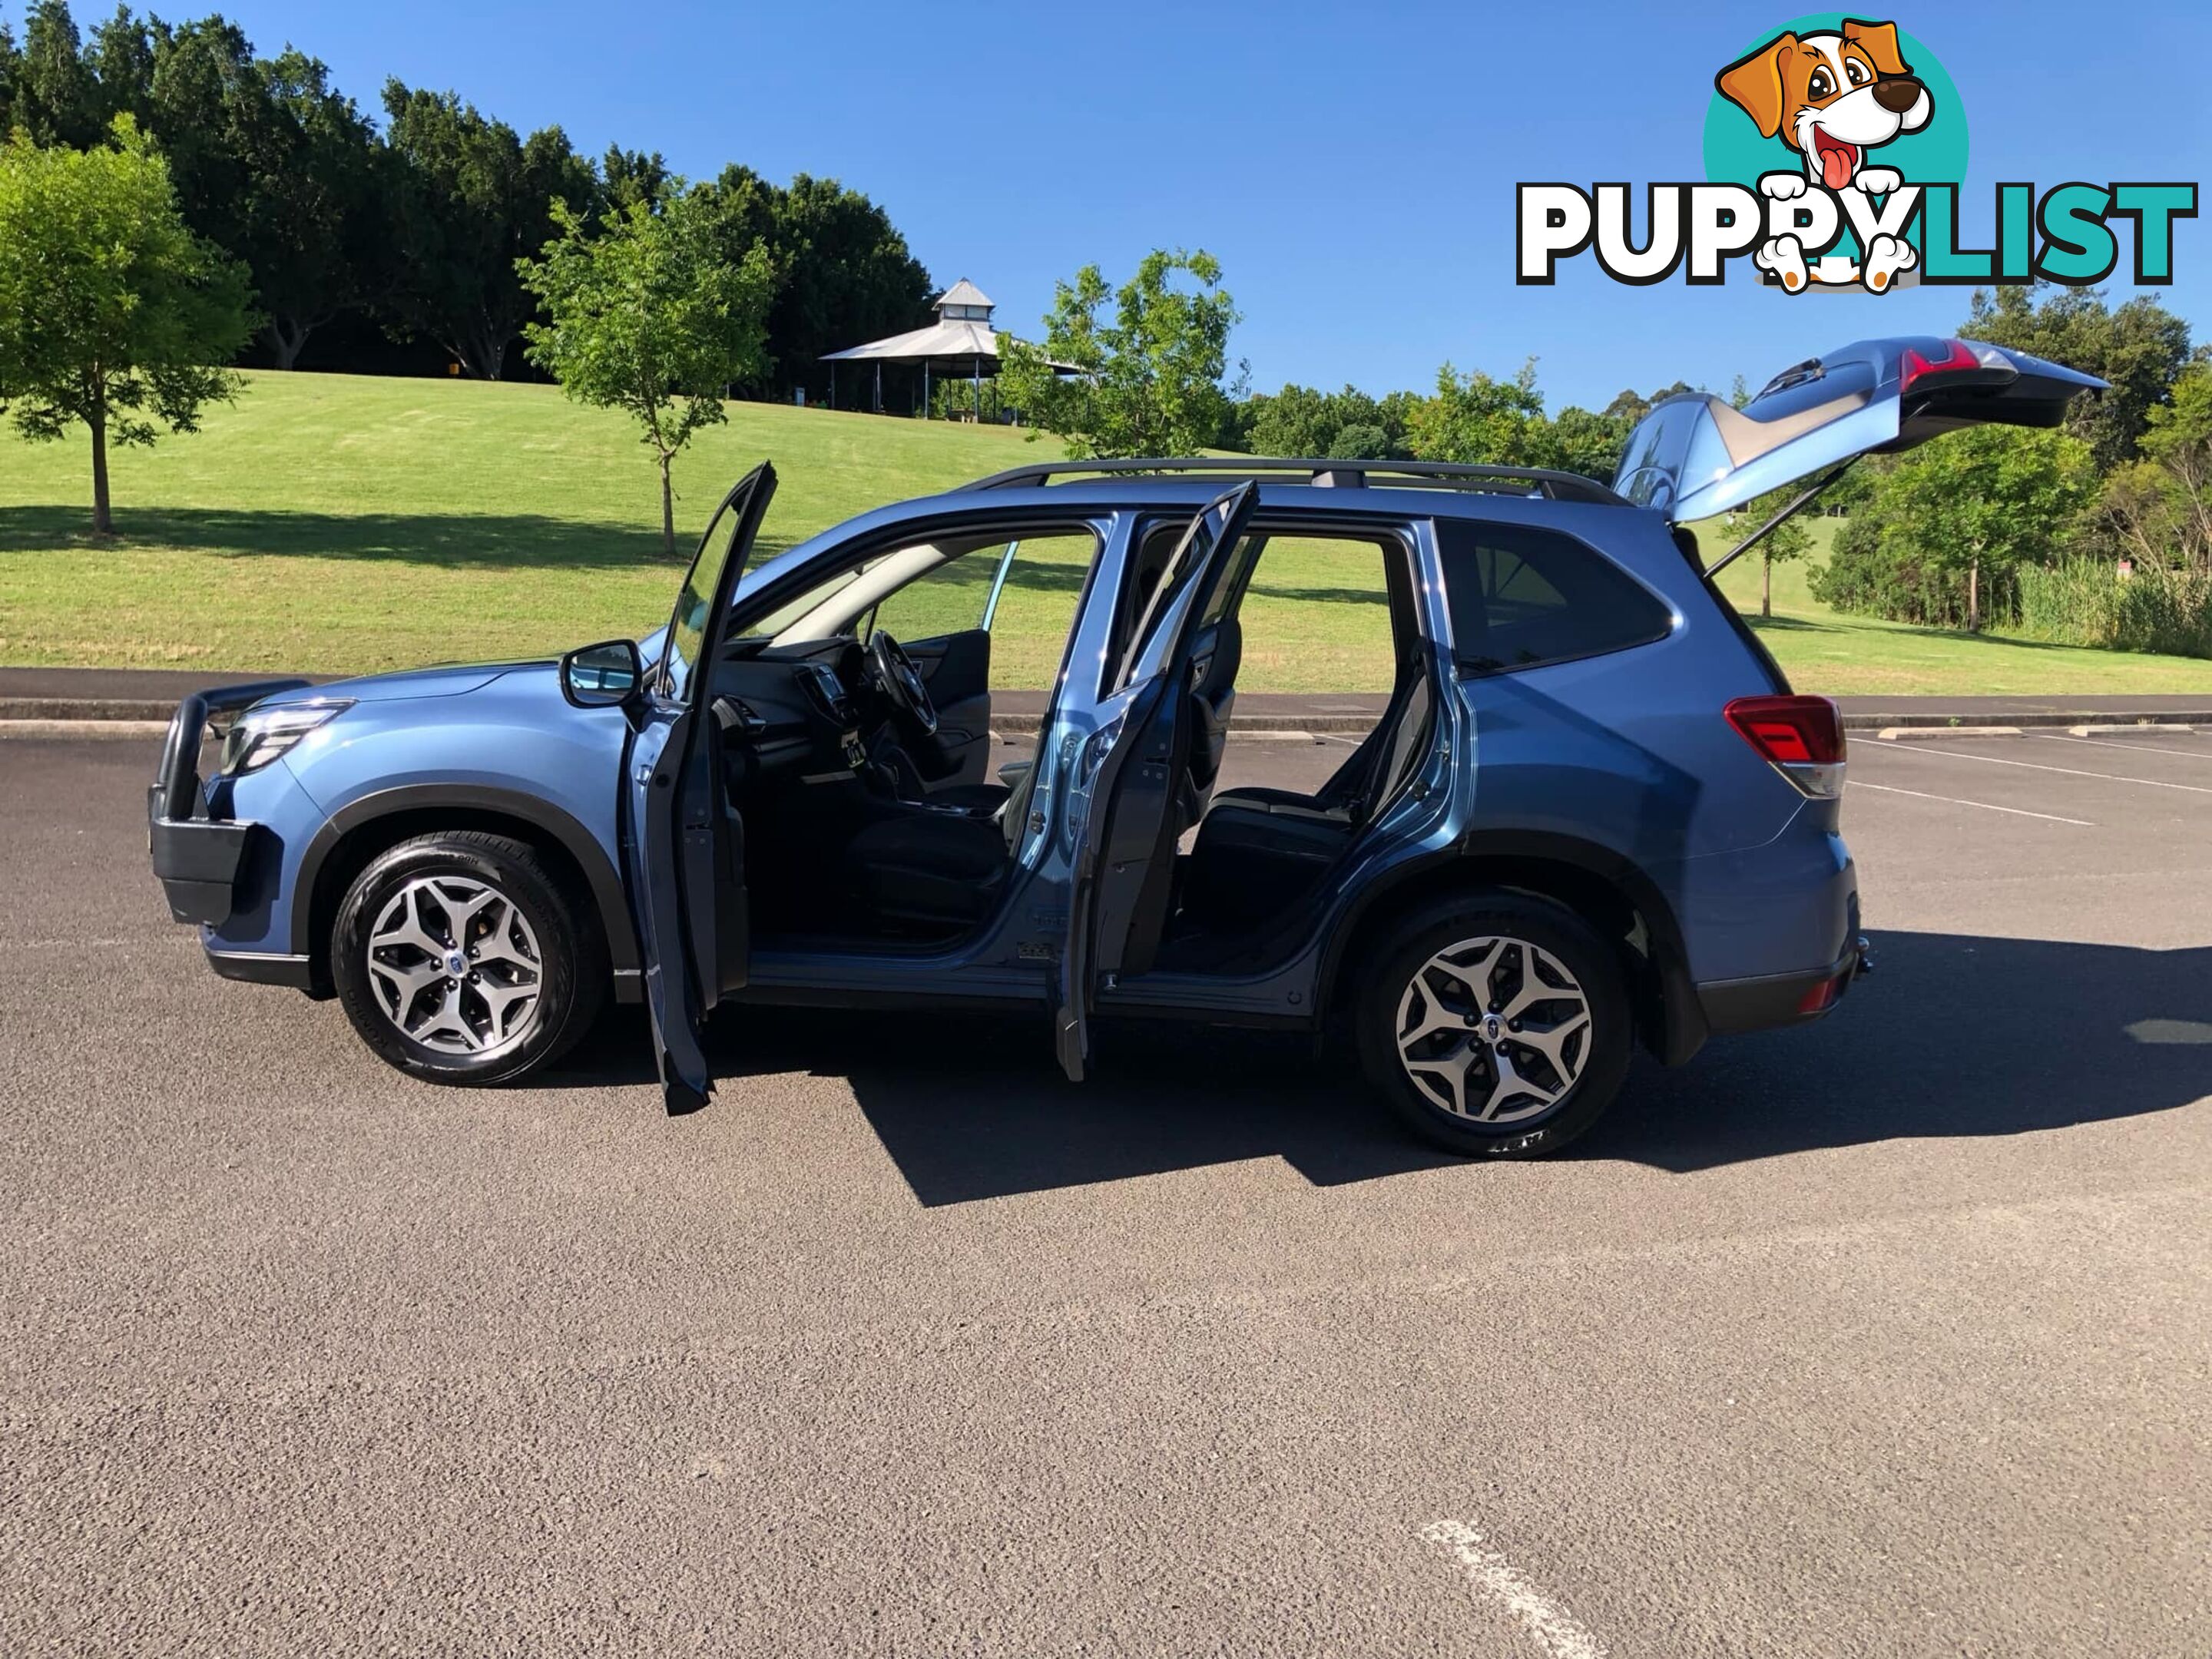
{"x": 798, "y": 711}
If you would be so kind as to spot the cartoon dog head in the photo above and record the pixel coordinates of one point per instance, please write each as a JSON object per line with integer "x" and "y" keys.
{"x": 1832, "y": 97}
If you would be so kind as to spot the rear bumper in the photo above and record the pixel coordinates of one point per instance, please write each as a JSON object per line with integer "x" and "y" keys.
{"x": 1757, "y": 1005}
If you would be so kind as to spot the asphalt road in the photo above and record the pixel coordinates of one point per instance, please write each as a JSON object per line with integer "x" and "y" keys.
{"x": 1892, "y": 1336}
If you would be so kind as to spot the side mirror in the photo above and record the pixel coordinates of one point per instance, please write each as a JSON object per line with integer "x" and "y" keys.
{"x": 603, "y": 676}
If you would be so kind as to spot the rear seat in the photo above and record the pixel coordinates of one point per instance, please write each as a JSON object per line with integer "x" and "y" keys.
{"x": 1258, "y": 850}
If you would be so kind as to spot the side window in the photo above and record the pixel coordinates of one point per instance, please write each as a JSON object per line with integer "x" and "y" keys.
{"x": 1315, "y": 614}
{"x": 945, "y": 599}
{"x": 1035, "y": 610}
{"x": 1520, "y": 597}
{"x": 1030, "y": 618}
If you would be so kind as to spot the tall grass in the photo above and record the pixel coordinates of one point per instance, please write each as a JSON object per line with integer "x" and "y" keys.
{"x": 2088, "y": 602}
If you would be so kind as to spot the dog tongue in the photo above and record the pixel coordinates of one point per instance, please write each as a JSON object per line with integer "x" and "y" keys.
{"x": 1835, "y": 166}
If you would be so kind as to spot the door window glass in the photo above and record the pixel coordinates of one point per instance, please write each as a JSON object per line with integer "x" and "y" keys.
{"x": 687, "y": 624}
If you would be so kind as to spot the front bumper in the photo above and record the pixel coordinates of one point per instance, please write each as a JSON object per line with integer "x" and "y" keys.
{"x": 195, "y": 856}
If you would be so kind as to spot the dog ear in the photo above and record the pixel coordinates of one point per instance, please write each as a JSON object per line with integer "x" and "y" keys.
{"x": 1754, "y": 83}
{"x": 1879, "y": 40}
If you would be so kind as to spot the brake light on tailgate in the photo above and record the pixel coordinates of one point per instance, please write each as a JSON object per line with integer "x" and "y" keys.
{"x": 1801, "y": 738}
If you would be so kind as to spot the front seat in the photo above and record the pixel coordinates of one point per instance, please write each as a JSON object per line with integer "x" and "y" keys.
{"x": 908, "y": 783}
{"x": 1258, "y": 851}
{"x": 919, "y": 865}
{"x": 940, "y": 869}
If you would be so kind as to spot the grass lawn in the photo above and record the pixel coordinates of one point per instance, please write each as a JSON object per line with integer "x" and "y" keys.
{"x": 333, "y": 524}
{"x": 1846, "y": 656}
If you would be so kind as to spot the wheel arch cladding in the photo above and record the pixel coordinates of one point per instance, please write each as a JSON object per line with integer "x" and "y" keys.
{"x": 357, "y": 834}
{"x": 1606, "y": 890}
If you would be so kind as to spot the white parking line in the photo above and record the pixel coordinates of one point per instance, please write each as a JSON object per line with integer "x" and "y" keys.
{"x": 2017, "y": 811}
{"x": 1556, "y": 1632}
{"x": 2204, "y": 753}
{"x": 2069, "y": 771}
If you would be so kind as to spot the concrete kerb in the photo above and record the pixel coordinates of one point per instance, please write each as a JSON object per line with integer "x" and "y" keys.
{"x": 2164, "y": 720}
{"x": 1938, "y": 733}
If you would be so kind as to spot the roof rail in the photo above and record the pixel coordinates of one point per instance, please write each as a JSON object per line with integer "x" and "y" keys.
{"x": 1392, "y": 475}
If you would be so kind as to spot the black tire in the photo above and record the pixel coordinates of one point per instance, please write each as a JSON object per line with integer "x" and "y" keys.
{"x": 1598, "y": 1057}
{"x": 571, "y": 971}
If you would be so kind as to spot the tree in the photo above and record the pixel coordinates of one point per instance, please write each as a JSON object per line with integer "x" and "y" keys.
{"x": 45, "y": 88}
{"x": 1629, "y": 405}
{"x": 113, "y": 314}
{"x": 316, "y": 205}
{"x": 1942, "y": 530}
{"x": 478, "y": 199}
{"x": 634, "y": 175}
{"x": 267, "y": 160}
{"x": 1788, "y": 540}
{"x": 1588, "y": 443}
{"x": 645, "y": 317}
{"x": 1346, "y": 425}
{"x": 844, "y": 275}
{"x": 1149, "y": 382}
{"x": 2139, "y": 347}
{"x": 1474, "y": 418}
{"x": 2158, "y": 511}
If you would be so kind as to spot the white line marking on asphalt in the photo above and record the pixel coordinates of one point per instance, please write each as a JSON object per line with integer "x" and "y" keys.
{"x": 1556, "y": 1632}
{"x": 2070, "y": 771}
{"x": 2204, "y": 753}
{"x": 2017, "y": 811}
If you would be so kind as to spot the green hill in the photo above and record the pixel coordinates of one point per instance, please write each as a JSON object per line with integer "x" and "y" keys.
{"x": 329, "y": 523}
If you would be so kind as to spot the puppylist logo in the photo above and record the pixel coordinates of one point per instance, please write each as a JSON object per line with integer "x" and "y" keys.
{"x": 1835, "y": 149}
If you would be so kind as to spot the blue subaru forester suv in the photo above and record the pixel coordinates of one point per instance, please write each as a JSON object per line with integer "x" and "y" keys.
{"x": 1593, "y": 813}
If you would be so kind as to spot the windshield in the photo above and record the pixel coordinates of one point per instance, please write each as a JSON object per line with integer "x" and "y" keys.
{"x": 687, "y": 627}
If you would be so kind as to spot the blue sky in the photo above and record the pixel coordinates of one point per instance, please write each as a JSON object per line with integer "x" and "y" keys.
{"x": 1352, "y": 167}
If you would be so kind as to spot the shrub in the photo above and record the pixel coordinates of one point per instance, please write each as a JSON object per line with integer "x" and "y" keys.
{"x": 2088, "y": 602}
{"x": 1944, "y": 531}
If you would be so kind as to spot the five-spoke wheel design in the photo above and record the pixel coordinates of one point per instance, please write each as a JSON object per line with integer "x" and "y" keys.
{"x": 1493, "y": 1030}
{"x": 456, "y": 965}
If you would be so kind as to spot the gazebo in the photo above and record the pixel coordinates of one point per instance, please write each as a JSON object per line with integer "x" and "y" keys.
{"x": 960, "y": 342}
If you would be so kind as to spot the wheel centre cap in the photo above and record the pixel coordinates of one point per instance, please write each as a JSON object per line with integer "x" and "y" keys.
{"x": 1493, "y": 1028}
{"x": 456, "y": 963}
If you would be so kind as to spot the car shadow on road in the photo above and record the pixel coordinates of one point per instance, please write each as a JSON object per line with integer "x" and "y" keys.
{"x": 1955, "y": 1036}
{"x": 1952, "y": 1036}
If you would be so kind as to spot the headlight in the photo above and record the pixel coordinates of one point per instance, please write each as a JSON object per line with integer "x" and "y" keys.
{"x": 261, "y": 735}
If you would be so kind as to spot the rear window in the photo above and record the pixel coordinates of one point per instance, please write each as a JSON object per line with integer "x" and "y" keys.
{"x": 1520, "y": 597}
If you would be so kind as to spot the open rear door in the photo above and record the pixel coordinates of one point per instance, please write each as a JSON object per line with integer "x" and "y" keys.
{"x": 1127, "y": 776}
{"x": 1695, "y": 455}
{"x": 679, "y": 831}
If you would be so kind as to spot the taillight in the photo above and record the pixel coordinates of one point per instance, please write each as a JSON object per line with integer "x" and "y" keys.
{"x": 1821, "y": 997}
{"x": 1958, "y": 358}
{"x": 1801, "y": 738}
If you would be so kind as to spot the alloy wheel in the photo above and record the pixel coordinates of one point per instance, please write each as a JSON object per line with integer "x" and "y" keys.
{"x": 1493, "y": 1030}
{"x": 456, "y": 965}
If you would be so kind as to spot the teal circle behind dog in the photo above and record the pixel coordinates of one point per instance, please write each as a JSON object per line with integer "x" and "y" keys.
{"x": 1735, "y": 152}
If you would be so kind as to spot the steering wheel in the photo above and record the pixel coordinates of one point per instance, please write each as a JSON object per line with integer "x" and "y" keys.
{"x": 901, "y": 683}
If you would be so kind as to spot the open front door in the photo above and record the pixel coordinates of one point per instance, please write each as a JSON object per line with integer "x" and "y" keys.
{"x": 1128, "y": 777}
{"x": 1696, "y": 455}
{"x": 682, "y": 841}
